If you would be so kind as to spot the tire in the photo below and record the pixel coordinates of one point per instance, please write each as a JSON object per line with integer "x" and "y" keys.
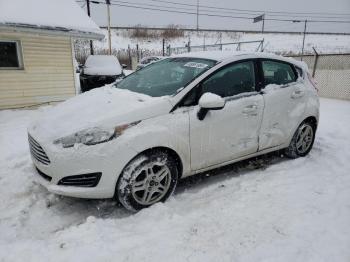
{"x": 302, "y": 141}
{"x": 146, "y": 180}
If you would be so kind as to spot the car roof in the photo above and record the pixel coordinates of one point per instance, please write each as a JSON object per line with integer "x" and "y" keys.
{"x": 222, "y": 56}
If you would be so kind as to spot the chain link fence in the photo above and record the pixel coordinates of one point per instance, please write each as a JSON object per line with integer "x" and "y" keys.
{"x": 332, "y": 73}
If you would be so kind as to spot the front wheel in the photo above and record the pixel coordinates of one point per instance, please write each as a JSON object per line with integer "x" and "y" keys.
{"x": 302, "y": 141}
{"x": 146, "y": 180}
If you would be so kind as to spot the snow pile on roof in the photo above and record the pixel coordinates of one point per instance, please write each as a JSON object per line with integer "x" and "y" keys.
{"x": 102, "y": 65}
{"x": 224, "y": 55}
{"x": 47, "y": 14}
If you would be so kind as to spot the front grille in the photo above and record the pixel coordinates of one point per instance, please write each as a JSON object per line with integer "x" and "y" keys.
{"x": 43, "y": 175}
{"x": 86, "y": 180}
{"x": 37, "y": 151}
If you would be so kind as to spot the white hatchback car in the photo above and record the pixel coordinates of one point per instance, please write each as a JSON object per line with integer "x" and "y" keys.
{"x": 175, "y": 118}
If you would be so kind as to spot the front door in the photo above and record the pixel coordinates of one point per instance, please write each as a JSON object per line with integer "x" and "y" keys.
{"x": 231, "y": 132}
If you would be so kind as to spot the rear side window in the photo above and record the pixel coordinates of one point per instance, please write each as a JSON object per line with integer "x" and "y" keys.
{"x": 231, "y": 80}
{"x": 278, "y": 73}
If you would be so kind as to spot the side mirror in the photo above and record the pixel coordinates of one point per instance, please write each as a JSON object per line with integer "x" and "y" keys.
{"x": 124, "y": 66}
{"x": 209, "y": 101}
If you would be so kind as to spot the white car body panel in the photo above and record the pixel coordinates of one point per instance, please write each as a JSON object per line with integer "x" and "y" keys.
{"x": 249, "y": 125}
{"x": 282, "y": 110}
{"x": 226, "y": 134}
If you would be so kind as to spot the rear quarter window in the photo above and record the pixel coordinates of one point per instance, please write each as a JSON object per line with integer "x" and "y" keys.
{"x": 278, "y": 73}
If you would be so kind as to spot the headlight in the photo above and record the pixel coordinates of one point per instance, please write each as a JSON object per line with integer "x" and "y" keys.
{"x": 93, "y": 136}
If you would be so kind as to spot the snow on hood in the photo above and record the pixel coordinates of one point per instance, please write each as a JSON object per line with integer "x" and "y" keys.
{"x": 102, "y": 65}
{"x": 105, "y": 107}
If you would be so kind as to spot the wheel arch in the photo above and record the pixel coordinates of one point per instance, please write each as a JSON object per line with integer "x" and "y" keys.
{"x": 170, "y": 152}
{"x": 312, "y": 120}
{"x": 121, "y": 194}
{"x": 291, "y": 150}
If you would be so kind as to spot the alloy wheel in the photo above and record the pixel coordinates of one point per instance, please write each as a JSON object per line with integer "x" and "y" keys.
{"x": 304, "y": 138}
{"x": 151, "y": 183}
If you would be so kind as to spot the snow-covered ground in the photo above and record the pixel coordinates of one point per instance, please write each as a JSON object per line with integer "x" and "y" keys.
{"x": 273, "y": 42}
{"x": 287, "y": 210}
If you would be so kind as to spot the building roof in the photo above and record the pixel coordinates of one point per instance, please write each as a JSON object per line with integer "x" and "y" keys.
{"x": 50, "y": 16}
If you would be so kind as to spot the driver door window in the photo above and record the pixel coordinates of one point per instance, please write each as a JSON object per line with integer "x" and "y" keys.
{"x": 232, "y": 80}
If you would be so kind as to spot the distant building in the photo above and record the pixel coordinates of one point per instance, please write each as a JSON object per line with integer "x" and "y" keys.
{"x": 36, "y": 50}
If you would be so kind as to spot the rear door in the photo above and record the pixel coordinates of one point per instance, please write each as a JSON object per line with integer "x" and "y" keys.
{"x": 284, "y": 102}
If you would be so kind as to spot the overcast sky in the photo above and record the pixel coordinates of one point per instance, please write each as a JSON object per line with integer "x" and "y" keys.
{"x": 125, "y": 16}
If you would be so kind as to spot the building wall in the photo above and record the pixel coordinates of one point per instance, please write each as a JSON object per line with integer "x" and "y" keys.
{"x": 47, "y": 76}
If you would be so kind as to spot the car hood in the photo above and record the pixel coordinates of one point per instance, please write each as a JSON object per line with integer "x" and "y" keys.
{"x": 105, "y": 107}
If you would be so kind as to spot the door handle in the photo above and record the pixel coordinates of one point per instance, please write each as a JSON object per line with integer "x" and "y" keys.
{"x": 250, "y": 110}
{"x": 297, "y": 93}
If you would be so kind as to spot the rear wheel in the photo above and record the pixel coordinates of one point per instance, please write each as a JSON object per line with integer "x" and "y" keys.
{"x": 302, "y": 141}
{"x": 146, "y": 180}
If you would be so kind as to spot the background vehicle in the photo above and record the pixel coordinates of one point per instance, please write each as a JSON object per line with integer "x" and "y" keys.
{"x": 99, "y": 70}
{"x": 177, "y": 117}
{"x": 148, "y": 60}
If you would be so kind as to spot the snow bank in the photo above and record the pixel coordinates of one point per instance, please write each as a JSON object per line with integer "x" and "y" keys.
{"x": 273, "y": 42}
{"x": 128, "y": 72}
{"x": 288, "y": 210}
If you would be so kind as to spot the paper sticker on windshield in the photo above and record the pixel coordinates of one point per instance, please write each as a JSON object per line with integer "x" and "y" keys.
{"x": 195, "y": 65}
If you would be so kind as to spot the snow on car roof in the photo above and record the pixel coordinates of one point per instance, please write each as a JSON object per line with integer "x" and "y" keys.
{"x": 102, "y": 65}
{"x": 53, "y": 15}
{"x": 227, "y": 55}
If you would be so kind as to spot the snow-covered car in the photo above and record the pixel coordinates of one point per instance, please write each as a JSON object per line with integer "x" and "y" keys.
{"x": 180, "y": 116}
{"x": 148, "y": 60}
{"x": 100, "y": 70}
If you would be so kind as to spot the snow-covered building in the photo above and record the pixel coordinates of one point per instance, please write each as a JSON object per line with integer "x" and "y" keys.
{"x": 36, "y": 50}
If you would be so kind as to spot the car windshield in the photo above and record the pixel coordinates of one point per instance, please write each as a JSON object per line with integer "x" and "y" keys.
{"x": 166, "y": 77}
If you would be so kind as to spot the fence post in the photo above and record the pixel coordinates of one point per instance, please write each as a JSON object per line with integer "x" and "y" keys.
{"x": 129, "y": 53}
{"x": 315, "y": 62}
{"x": 169, "y": 50}
{"x": 204, "y": 43}
{"x": 238, "y": 47}
{"x": 163, "y": 47}
{"x": 137, "y": 53}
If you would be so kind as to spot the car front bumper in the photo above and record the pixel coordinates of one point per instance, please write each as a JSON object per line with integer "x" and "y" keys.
{"x": 89, "y": 82}
{"x": 108, "y": 159}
